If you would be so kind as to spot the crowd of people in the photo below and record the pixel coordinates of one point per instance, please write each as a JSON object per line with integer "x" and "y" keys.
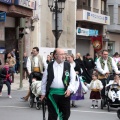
{"x": 11, "y": 67}
{"x": 65, "y": 78}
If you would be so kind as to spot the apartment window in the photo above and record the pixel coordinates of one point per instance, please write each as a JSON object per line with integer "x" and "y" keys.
{"x": 102, "y": 5}
{"x": 110, "y": 10}
{"x": 95, "y": 6}
{"x": 95, "y": 3}
{"x": 83, "y": 4}
{"x": 118, "y": 14}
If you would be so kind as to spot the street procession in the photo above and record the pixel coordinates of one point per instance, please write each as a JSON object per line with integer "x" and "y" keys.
{"x": 59, "y": 59}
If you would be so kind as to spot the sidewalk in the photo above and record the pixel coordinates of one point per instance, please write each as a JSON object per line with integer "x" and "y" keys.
{"x": 16, "y": 84}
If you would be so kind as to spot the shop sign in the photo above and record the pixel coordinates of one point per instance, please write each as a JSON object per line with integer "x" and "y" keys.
{"x": 93, "y": 32}
{"x": 82, "y": 31}
{"x": 6, "y": 1}
{"x": 95, "y": 17}
{"x": 86, "y": 32}
{"x": 31, "y": 4}
{"x": 2, "y": 16}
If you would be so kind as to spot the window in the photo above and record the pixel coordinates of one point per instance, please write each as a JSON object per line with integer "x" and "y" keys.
{"x": 95, "y": 3}
{"x": 111, "y": 48}
{"x": 110, "y": 10}
{"x": 83, "y": 4}
{"x": 118, "y": 14}
{"x": 102, "y": 5}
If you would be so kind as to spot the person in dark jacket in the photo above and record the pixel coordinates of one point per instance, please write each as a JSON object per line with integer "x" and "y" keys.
{"x": 5, "y": 74}
{"x": 89, "y": 64}
{"x": 80, "y": 67}
{"x": 25, "y": 71}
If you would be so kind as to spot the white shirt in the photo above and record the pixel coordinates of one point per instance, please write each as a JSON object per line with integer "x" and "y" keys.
{"x": 95, "y": 84}
{"x": 57, "y": 81}
{"x": 35, "y": 63}
{"x": 99, "y": 68}
{"x": 73, "y": 64}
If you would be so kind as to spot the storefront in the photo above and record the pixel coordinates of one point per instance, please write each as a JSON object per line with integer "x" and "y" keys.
{"x": 12, "y": 11}
{"x": 90, "y": 24}
{"x": 83, "y": 40}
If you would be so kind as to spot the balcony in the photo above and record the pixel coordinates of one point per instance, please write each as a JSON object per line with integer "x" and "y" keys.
{"x": 104, "y": 12}
{"x": 84, "y": 7}
{"x": 95, "y": 10}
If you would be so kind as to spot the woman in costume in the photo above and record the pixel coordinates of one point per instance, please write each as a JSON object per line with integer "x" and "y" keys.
{"x": 79, "y": 92}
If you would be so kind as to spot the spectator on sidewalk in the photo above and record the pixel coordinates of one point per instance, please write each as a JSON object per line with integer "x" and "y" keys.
{"x": 5, "y": 74}
{"x": 17, "y": 65}
{"x": 25, "y": 71}
{"x": 11, "y": 61}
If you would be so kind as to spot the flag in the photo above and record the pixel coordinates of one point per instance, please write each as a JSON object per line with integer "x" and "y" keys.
{"x": 97, "y": 43}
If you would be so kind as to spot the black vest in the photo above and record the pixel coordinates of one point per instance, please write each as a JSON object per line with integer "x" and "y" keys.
{"x": 50, "y": 76}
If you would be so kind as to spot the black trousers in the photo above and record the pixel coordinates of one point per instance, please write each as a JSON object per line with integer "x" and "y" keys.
{"x": 104, "y": 82}
{"x": 63, "y": 104}
{"x": 90, "y": 72}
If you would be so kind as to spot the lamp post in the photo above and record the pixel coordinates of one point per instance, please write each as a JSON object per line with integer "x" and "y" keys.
{"x": 56, "y": 6}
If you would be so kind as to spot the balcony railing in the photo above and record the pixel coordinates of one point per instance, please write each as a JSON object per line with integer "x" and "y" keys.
{"x": 95, "y": 10}
{"x": 104, "y": 12}
{"x": 84, "y": 7}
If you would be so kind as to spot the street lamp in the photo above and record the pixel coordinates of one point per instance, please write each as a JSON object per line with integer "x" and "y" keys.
{"x": 56, "y": 6}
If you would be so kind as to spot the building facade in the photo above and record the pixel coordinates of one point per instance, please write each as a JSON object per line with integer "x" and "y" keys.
{"x": 42, "y": 34}
{"x": 81, "y": 19}
{"x": 113, "y": 30}
{"x": 10, "y": 13}
{"x": 91, "y": 18}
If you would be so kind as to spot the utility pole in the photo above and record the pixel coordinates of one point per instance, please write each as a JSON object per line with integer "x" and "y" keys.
{"x": 21, "y": 37}
{"x": 56, "y": 24}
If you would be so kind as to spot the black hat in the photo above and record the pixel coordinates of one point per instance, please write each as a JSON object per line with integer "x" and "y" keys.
{"x": 87, "y": 54}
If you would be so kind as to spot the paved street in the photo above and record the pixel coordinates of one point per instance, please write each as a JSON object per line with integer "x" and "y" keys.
{"x": 16, "y": 109}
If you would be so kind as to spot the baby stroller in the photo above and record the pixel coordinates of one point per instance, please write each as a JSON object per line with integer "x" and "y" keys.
{"x": 118, "y": 113}
{"x": 35, "y": 90}
{"x": 112, "y": 96}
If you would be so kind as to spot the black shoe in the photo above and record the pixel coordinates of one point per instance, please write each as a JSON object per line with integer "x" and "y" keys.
{"x": 73, "y": 105}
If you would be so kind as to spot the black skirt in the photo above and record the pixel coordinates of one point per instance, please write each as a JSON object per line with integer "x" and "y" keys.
{"x": 95, "y": 95}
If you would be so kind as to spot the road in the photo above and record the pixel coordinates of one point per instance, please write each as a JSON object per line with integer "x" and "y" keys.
{"x": 16, "y": 109}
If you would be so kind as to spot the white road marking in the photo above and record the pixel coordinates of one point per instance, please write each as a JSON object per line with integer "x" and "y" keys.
{"x": 93, "y": 112}
{"x": 71, "y": 110}
{"x": 14, "y": 107}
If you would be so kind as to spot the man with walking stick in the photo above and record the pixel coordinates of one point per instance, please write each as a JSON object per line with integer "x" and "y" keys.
{"x": 58, "y": 83}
